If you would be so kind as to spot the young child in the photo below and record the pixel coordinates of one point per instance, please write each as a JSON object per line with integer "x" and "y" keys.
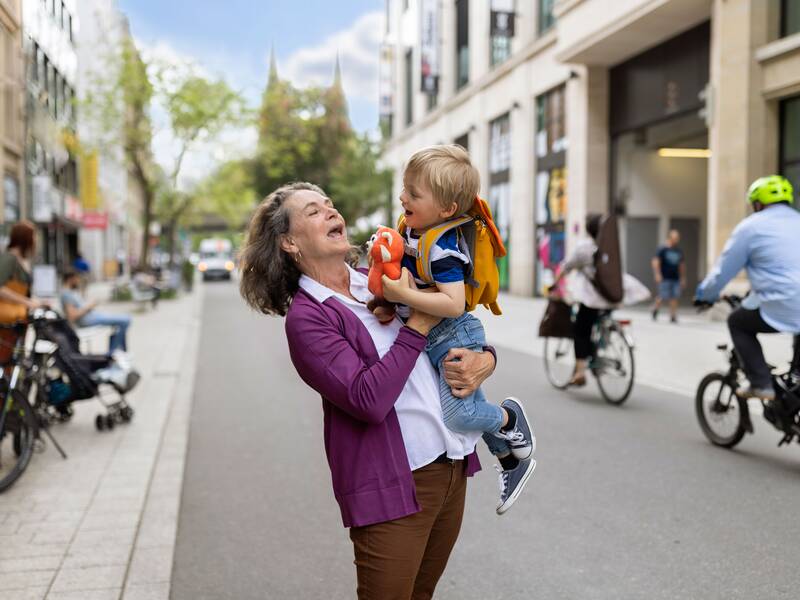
{"x": 440, "y": 183}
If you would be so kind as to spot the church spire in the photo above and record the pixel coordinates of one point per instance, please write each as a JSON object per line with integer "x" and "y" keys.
{"x": 273, "y": 67}
{"x": 337, "y": 73}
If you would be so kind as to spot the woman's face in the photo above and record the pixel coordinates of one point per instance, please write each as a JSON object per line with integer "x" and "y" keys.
{"x": 316, "y": 229}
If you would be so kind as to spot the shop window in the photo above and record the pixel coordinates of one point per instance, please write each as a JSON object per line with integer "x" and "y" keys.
{"x": 462, "y": 43}
{"x": 546, "y": 17}
{"x": 500, "y": 186}
{"x": 790, "y": 144}
{"x": 409, "y": 68}
{"x": 550, "y": 191}
{"x": 790, "y": 17}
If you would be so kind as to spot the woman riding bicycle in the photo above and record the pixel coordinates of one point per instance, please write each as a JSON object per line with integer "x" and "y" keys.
{"x": 590, "y": 302}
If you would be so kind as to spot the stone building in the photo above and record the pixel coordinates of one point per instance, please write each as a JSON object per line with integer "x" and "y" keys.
{"x": 661, "y": 111}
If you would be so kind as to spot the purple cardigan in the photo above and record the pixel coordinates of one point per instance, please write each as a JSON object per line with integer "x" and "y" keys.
{"x": 334, "y": 354}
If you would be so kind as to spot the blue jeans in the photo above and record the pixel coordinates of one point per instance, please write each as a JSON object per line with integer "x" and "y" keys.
{"x": 120, "y": 324}
{"x": 472, "y": 413}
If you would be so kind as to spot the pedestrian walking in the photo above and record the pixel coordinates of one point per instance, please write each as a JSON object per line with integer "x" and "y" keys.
{"x": 669, "y": 271}
{"x": 398, "y": 473}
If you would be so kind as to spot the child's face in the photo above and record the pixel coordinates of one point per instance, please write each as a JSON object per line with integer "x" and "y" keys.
{"x": 422, "y": 211}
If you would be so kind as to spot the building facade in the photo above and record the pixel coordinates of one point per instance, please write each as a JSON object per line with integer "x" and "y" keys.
{"x": 660, "y": 111}
{"x": 51, "y": 145}
{"x": 12, "y": 119}
{"x": 109, "y": 203}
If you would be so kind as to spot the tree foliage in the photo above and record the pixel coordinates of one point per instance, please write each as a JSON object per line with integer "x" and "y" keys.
{"x": 305, "y": 135}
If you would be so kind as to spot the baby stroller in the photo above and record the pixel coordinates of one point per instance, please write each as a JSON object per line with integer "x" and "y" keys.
{"x": 64, "y": 374}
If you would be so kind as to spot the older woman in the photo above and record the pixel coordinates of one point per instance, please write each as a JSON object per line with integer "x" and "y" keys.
{"x": 399, "y": 475}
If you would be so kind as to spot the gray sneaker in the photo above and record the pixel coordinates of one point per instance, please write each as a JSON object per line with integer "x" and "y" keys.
{"x": 512, "y": 482}
{"x": 521, "y": 439}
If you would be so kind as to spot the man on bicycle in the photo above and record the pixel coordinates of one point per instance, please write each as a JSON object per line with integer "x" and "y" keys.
{"x": 765, "y": 244}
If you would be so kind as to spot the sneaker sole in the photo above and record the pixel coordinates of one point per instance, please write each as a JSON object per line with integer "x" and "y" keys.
{"x": 513, "y": 497}
{"x": 525, "y": 416}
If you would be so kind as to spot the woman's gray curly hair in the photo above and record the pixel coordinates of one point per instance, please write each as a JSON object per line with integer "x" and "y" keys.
{"x": 270, "y": 276}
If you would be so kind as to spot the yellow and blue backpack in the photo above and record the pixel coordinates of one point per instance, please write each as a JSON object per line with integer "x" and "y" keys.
{"x": 481, "y": 240}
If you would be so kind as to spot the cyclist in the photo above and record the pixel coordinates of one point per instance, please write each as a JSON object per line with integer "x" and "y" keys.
{"x": 590, "y": 303}
{"x": 764, "y": 244}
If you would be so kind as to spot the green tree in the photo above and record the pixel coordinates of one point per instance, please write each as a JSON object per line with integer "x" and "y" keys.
{"x": 306, "y": 135}
{"x": 196, "y": 108}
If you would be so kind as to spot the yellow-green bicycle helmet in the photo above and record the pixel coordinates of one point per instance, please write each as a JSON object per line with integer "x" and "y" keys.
{"x": 770, "y": 189}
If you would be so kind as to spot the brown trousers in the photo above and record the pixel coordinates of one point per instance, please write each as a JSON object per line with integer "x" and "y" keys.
{"x": 403, "y": 559}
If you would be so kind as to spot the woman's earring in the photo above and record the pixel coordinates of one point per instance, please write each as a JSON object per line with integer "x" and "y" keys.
{"x": 298, "y": 256}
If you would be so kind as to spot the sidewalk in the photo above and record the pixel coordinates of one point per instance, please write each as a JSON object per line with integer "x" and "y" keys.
{"x": 101, "y": 524}
{"x": 671, "y": 357}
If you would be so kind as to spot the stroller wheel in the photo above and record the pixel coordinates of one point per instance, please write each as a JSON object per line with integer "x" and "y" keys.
{"x": 99, "y": 422}
{"x": 110, "y": 422}
{"x": 126, "y": 414}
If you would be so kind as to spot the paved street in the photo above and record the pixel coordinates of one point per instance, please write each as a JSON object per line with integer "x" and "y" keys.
{"x": 627, "y": 502}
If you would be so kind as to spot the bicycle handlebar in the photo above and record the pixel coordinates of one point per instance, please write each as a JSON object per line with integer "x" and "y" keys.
{"x": 732, "y": 300}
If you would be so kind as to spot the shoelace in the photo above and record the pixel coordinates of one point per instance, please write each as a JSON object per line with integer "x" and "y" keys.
{"x": 502, "y": 480}
{"x": 515, "y": 437}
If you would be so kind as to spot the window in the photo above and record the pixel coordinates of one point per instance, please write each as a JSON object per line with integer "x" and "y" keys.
{"x": 10, "y": 198}
{"x": 409, "y": 86}
{"x": 790, "y": 17}
{"x": 462, "y": 43}
{"x": 34, "y": 68}
{"x": 500, "y": 185}
{"x": 550, "y": 189}
{"x": 500, "y": 50}
{"x": 790, "y": 143}
{"x": 463, "y": 141}
{"x": 546, "y": 18}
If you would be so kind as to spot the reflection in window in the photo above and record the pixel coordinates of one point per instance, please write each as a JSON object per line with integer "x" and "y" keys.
{"x": 501, "y": 49}
{"x": 790, "y": 143}
{"x": 500, "y": 186}
{"x": 790, "y": 17}
{"x": 550, "y": 193}
{"x": 462, "y": 43}
{"x": 546, "y": 17}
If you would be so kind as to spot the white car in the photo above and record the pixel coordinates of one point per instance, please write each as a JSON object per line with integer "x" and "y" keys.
{"x": 216, "y": 259}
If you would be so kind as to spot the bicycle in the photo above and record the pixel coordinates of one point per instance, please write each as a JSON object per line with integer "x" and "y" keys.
{"x": 22, "y": 422}
{"x": 613, "y": 365}
{"x": 724, "y": 417}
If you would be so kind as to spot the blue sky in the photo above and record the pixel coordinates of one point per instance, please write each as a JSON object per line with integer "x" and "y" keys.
{"x": 233, "y": 38}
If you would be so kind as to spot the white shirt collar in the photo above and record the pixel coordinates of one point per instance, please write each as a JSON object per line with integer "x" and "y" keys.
{"x": 358, "y": 287}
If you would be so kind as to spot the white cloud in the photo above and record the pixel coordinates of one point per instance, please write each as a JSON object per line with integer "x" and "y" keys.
{"x": 357, "y": 47}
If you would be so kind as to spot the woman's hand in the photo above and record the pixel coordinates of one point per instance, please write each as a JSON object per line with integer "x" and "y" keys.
{"x": 422, "y": 322}
{"x": 465, "y": 370}
{"x": 394, "y": 290}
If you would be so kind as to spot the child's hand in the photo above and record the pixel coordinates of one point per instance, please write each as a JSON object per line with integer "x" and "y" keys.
{"x": 384, "y": 314}
{"x": 394, "y": 290}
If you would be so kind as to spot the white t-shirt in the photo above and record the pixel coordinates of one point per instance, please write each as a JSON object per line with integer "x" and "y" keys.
{"x": 418, "y": 407}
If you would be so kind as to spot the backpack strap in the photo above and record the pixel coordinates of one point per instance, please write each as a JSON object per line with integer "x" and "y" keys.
{"x": 429, "y": 239}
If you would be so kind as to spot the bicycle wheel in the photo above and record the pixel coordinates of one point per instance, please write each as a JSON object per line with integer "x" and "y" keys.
{"x": 719, "y": 411}
{"x": 613, "y": 366}
{"x": 17, "y": 437}
{"x": 559, "y": 361}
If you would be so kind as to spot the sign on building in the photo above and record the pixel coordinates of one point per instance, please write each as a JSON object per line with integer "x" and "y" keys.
{"x": 429, "y": 47}
{"x": 386, "y": 81}
{"x": 42, "y": 199}
{"x": 502, "y": 18}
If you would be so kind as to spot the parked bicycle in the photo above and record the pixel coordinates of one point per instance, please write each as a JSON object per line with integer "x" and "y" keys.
{"x": 19, "y": 425}
{"x": 724, "y": 417}
{"x": 613, "y": 365}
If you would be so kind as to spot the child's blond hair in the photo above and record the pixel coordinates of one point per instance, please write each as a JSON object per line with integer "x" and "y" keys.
{"x": 448, "y": 172}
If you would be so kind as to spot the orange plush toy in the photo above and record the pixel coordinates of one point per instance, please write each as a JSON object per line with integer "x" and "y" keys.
{"x": 386, "y": 250}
